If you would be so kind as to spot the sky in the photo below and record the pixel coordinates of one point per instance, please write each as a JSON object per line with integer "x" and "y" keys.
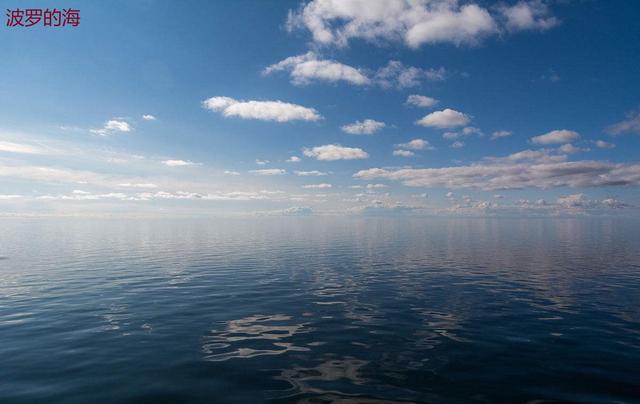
{"x": 432, "y": 107}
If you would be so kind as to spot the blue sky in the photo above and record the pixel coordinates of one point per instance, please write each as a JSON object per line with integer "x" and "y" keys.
{"x": 525, "y": 107}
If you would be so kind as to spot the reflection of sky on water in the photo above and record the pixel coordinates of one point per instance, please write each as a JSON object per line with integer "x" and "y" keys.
{"x": 353, "y": 310}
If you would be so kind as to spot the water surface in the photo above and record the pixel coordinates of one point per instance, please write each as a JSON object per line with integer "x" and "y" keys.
{"x": 315, "y": 310}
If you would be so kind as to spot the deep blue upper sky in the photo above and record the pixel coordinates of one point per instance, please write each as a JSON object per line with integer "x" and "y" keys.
{"x": 72, "y": 102}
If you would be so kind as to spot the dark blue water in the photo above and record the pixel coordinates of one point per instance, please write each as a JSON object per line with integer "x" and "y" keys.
{"x": 315, "y": 310}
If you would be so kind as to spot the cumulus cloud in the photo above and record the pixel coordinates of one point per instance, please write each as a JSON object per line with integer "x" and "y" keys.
{"x": 416, "y": 144}
{"x": 500, "y": 134}
{"x": 331, "y": 152}
{"x": 528, "y": 15}
{"x": 514, "y": 173}
{"x": 413, "y": 22}
{"x": 457, "y": 144}
{"x": 421, "y": 101}
{"x": 403, "y": 153}
{"x": 294, "y": 159}
{"x": 310, "y": 67}
{"x": 277, "y": 111}
{"x": 447, "y": 118}
{"x": 556, "y": 137}
{"x": 366, "y": 127}
{"x": 304, "y": 69}
{"x": 112, "y": 126}
{"x": 149, "y": 117}
{"x": 262, "y": 162}
{"x": 631, "y": 124}
{"x": 317, "y": 186}
{"x": 314, "y": 173}
{"x": 179, "y": 163}
{"x": 269, "y": 171}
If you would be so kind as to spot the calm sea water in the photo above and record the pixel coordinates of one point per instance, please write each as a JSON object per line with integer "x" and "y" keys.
{"x": 315, "y": 310}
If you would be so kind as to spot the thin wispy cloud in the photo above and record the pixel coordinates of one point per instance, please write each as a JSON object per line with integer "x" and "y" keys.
{"x": 366, "y": 127}
{"x": 421, "y": 101}
{"x": 179, "y": 163}
{"x": 269, "y": 171}
{"x": 556, "y": 137}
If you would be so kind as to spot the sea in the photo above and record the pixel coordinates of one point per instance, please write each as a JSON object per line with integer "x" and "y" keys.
{"x": 319, "y": 310}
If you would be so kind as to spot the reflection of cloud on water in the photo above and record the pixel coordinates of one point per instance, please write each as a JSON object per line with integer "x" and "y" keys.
{"x": 336, "y": 380}
{"x": 253, "y": 336}
{"x": 308, "y": 380}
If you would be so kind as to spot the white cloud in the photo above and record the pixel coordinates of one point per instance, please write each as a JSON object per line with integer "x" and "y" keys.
{"x": 457, "y": 144}
{"x": 309, "y": 67}
{"x": 397, "y": 75}
{"x": 314, "y": 173}
{"x": 9, "y": 197}
{"x": 366, "y": 127}
{"x": 403, "y": 153}
{"x": 262, "y": 162}
{"x": 500, "y": 134}
{"x": 604, "y": 145}
{"x": 148, "y": 117}
{"x": 513, "y": 174}
{"x": 376, "y": 186}
{"x": 115, "y": 125}
{"x": 179, "y": 163}
{"x": 528, "y": 15}
{"x": 112, "y": 126}
{"x": 230, "y": 172}
{"x": 317, "y": 186}
{"x": 269, "y": 171}
{"x": 413, "y": 22}
{"x": 416, "y": 144}
{"x": 421, "y": 101}
{"x": 629, "y": 125}
{"x": 331, "y": 152}
{"x": 306, "y": 68}
{"x": 10, "y": 147}
{"x": 262, "y": 110}
{"x": 447, "y": 118}
{"x": 294, "y": 159}
{"x": 556, "y": 137}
